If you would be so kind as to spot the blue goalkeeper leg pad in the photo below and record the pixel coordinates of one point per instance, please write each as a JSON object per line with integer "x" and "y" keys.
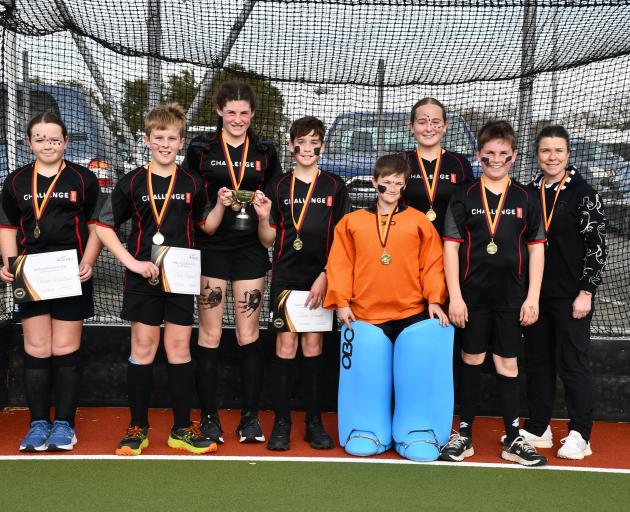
{"x": 423, "y": 384}
{"x": 365, "y": 390}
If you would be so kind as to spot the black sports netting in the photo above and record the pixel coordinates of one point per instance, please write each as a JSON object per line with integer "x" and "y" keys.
{"x": 358, "y": 65}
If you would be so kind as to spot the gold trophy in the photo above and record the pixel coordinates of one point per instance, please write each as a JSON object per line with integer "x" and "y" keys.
{"x": 240, "y": 200}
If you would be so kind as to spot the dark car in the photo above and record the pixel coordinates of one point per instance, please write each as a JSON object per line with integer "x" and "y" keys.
{"x": 356, "y": 139}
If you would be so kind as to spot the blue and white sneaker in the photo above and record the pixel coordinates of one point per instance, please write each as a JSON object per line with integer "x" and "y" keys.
{"x": 62, "y": 437}
{"x": 36, "y": 437}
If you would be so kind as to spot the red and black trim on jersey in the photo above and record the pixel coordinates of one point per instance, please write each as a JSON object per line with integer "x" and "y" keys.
{"x": 498, "y": 280}
{"x": 72, "y": 205}
{"x": 130, "y": 200}
{"x": 329, "y": 203}
{"x": 205, "y": 156}
{"x": 455, "y": 173}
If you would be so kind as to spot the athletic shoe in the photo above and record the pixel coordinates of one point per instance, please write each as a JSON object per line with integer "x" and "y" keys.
{"x": 280, "y": 435}
{"x": 61, "y": 438}
{"x": 543, "y": 441}
{"x": 316, "y": 435}
{"x": 35, "y": 440}
{"x": 211, "y": 428}
{"x": 134, "y": 442}
{"x": 191, "y": 440}
{"x": 574, "y": 447}
{"x": 249, "y": 430}
{"x": 522, "y": 452}
{"x": 457, "y": 449}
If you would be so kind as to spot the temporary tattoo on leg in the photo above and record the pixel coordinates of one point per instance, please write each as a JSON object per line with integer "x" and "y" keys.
{"x": 253, "y": 300}
{"x": 210, "y": 297}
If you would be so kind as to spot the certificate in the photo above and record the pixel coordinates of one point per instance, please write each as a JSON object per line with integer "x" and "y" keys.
{"x": 290, "y": 312}
{"x": 180, "y": 269}
{"x": 47, "y": 275}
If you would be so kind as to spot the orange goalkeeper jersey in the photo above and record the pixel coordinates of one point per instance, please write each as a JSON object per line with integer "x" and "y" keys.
{"x": 379, "y": 293}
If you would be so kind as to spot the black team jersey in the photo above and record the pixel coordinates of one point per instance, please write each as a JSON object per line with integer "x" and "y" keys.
{"x": 329, "y": 202}
{"x": 205, "y": 157}
{"x": 494, "y": 281}
{"x": 455, "y": 173}
{"x": 576, "y": 252}
{"x": 71, "y": 206}
{"x": 130, "y": 200}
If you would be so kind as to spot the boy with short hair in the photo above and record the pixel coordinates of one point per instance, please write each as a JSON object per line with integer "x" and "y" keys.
{"x": 493, "y": 259}
{"x": 299, "y": 216}
{"x": 165, "y": 202}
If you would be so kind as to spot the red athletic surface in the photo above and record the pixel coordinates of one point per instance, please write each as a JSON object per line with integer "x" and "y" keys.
{"x": 100, "y": 429}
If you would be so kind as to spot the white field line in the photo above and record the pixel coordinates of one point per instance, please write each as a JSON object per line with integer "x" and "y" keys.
{"x": 253, "y": 460}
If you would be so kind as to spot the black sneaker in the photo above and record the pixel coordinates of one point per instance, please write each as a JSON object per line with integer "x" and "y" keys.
{"x": 316, "y": 435}
{"x": 249, "y": 430}
{"x": 523, "y": 453}
{"x": 457, "y": 449}
{"x": 211, "y": 428}
{"x": 280, "y": 435}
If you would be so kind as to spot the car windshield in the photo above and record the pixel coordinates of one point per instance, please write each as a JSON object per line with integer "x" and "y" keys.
{"x": 361, "y": 134}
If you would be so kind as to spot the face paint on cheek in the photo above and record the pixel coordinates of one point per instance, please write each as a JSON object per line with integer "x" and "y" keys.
{"x": 381, "y": 188}
{"x": 317, "y": 151}
{"x": 296, "y": 150}
{"x": 485, "y": 160}
{"x": 508, "y": 159}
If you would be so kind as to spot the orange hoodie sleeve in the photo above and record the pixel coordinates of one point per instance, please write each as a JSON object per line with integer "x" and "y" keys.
{"x": 340, "y": 267}
{"x": 431, "y": 263}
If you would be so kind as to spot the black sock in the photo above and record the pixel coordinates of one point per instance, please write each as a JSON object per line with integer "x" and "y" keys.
{"x": 281, "y": 384}
{"x": 469, "y": 384}
{"x": 251, "y": 376}
{"x": 311, "y": 378}
{"x": 67, "y": 373}
{"x": 181, "y": 380}
{"x": 139, "y": 388}
{"x": 509, "y": 397}
{"x": 37, "y": 383}
{"x": 206, "y": 372}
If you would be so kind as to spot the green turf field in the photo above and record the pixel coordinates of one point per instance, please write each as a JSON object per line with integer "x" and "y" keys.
{"x": 298, "y": 486}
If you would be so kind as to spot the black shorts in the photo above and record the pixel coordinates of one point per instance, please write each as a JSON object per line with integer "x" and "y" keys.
{"x": 70, "y": 309}
{"x": 276, "y": 321}
{"x": 235, "y": 265}
{"x": 500, "y": 330}
{"x": 148, "y": 309}
{"x": 393, "y": 328}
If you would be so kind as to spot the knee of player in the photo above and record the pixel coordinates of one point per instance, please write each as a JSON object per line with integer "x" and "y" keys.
{"x": 177, "y": 350}
{"x": 506, "y": 366}
{"x": 473, "y": 359}
{"x": 209, "y": 335}
{"x": 286, "y": 348}
{"x": 38, "y": 349}
{"x": 246, "y": 333}
{"x": 311, "y": 345}
{"x": 143, "y": 349}
{"x": 65, "y": 346}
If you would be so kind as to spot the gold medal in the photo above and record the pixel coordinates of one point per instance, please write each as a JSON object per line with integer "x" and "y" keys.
{"x": 430, "y": 188}
{"x": 297, "y": 243}
{"x": 493, "y": 223}
{"x": 38, "y": 209}
{"x": 492, "y": 248}
{"x": 386, "y": 259}
{"x": 383, "y": 233}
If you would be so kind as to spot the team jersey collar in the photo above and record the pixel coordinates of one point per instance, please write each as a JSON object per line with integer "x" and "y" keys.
{"x": 402, "y": 206}
{"x": 571, "y": 174}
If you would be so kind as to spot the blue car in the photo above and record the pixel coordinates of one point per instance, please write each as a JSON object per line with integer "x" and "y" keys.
{"x": 91, "y": 142}
{"x": 356, "y": 139}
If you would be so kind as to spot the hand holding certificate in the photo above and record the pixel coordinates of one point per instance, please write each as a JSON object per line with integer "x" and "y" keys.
{"x": 180, "y": 269}
{"x": 47, "y": 275}
{"x": 291, "y": 311}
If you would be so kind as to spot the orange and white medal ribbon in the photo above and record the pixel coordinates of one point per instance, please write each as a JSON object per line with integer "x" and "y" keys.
{"x": 236, "y": 184}
{"x": 158, "y": 238}
{"x": 493, "y": 224}
{"x": 431, "y": 188}
{"x": 38, "y": 208}
{"x": 297, "y": 243}
{"x": 543, "y": 200}
{"x": 383, "y": 233}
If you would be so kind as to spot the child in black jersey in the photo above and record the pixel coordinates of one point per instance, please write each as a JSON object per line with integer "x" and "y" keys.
{"x": 232, "y": 158}
{"x": 575, "y": 258}
{"x": 300, "y": 213}
{"x": 48, "y": 205}
{"x": 493, "y": 260}
{"x": 436, "y": 173}
{"x": 164, "y": 202}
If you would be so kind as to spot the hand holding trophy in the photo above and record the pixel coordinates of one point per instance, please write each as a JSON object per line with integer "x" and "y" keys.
{"x": 240, "y": 200}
